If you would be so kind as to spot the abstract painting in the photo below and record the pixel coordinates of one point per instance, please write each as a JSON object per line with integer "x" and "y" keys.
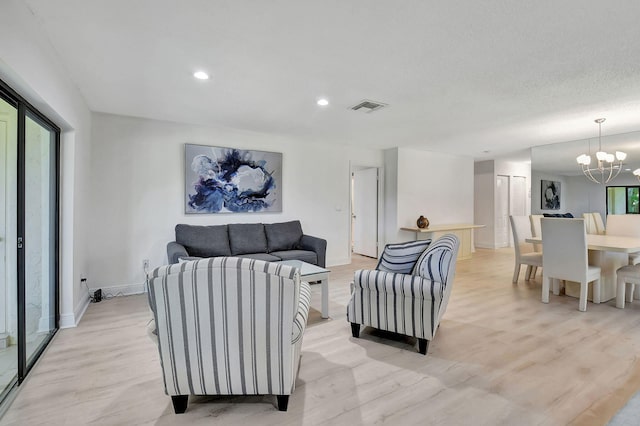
{"x": 231, "y": 180}
{"x": 550, "y": 195}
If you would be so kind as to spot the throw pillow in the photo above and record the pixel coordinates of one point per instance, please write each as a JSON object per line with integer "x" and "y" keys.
{"x": 401, "y": 258}
{"x": 283, "y": 236}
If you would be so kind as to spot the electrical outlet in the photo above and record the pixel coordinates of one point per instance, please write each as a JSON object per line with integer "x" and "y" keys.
{"x": 145, "y": 264}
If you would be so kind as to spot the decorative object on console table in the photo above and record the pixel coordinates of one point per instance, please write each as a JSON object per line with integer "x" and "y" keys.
{"x": 422, "y": 222}
{"x": 230, "y": 180}
{"x": 549, "y": 195}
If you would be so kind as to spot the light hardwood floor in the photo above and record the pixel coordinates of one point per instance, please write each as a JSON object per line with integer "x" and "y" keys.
{"x": 500, "y": 357}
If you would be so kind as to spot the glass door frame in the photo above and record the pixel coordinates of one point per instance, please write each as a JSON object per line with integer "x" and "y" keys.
{"x": 26, "y": 109}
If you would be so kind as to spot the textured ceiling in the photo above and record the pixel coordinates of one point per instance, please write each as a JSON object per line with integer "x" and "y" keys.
{"x": 460, "y": 76}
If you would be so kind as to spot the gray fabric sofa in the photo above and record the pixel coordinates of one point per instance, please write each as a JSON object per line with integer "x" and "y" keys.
{"x": 271, "y": 242}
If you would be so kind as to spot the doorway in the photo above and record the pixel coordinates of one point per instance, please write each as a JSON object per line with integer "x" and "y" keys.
{"x": 364, "y": 211}
{"x": 29, "y": 150}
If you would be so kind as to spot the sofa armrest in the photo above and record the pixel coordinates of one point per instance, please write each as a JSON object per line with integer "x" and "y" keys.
{"x": 405, "y": 285}
{"x": 317, "y": 245}
{"x": 175, "y": 251}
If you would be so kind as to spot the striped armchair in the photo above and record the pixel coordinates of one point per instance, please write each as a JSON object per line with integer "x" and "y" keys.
{"x": 410, "y": 304}
{"x": 228, "y": 326}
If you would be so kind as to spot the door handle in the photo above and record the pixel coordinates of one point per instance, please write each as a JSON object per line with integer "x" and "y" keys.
{"x": 20, "y": 245}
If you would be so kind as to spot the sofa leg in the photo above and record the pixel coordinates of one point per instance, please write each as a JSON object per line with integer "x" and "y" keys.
{"x": 180, "y": 403}
{"x": 355, "y": 329}
{"x": 283, "y": 402}
{"x": 423, "y": 345}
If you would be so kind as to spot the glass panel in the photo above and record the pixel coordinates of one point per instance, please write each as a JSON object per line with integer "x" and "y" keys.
{"x": 39, "y": 238}
{"x": 8, "y": 248}
{"x": 632, "y": 200}
{"x": 616, "y": 200}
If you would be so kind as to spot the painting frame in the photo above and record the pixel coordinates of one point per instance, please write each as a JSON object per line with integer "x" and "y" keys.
{"x": 550, "y": 192}
{"x": 220, "y": 180}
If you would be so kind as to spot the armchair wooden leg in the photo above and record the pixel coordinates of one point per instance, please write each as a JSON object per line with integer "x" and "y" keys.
{"x": 283, "y": 402}
{"x": 180, "y": 403}
{"x": 355, "y": 329}
{"x": 423, "y": 345}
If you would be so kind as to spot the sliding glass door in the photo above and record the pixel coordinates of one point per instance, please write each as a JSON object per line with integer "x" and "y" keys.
{"x": 29, "y": 146}
{"x": 8, "y": 249}
{"x": 39, "y": 234}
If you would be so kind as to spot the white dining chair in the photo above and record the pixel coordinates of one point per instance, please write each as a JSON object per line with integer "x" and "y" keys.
{"x": 627, "y": 275}
{"x": 536, "y": 229}
{"x": 589, "y": 223}
{"x": 521, "y": 230}
{"x": 564, "y": 255}
{"x": 626, "y": 225}
{"x": 597, "y": 218}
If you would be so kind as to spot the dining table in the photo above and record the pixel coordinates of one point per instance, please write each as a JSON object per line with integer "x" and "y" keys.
{"x": 609, "y": 252}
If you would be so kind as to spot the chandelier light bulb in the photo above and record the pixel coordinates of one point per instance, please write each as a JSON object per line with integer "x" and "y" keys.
{"x": 637, "y": 173}
{"x": 601, "y": 155}
{"x": 621, "y": 156}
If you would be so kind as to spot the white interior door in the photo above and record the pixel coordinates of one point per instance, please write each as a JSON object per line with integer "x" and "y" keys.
{"x": 502, "y": 211}
{"x": 365, "y": 212}
{"x": 519, "y": 196}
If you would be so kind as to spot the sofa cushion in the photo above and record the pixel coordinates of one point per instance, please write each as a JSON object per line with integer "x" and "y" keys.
{"x": 304, "y": 255}
{"x": 401, "y": 258}
{"x": 204, "y": 241}
{"x": 260, "y": 256}
{"x": 283, "y": 236}
{"x": 247, "y": 238}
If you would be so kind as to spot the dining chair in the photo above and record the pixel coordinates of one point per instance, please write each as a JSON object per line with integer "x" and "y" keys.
{"x": 629, "y": 274}
{"x": 521, "y": 230}
{"x": 536, "y": 231}
{"x": 626, "y": 225}
{"x": 564, "y": 255}
{"x": 589, "y": 223}
{"x": 597, "y": 218}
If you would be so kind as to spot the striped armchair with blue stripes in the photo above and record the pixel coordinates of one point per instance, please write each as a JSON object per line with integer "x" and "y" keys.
{"x": 407, "y": 297}
{"x": 228, "y": 326}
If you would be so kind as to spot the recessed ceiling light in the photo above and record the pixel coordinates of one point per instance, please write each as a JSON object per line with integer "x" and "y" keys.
{"x": 201, "y": 75}
{"x": 627, "y": 170}
{"x": 323, "y": 102}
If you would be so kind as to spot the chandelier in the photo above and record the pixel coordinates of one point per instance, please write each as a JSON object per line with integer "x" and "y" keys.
{"x": 608, "y": 165}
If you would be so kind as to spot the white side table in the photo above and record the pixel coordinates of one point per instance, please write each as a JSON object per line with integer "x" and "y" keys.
{"x": 312, "y": 272}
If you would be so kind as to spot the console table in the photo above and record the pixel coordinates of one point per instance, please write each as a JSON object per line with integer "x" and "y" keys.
{"x": 461, "y": 230}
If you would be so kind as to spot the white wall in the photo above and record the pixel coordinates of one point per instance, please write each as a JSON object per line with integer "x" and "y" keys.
{"x": 137, "y": 182}
{"x": 438, "y": 186}
{"x": 29, "y": 65}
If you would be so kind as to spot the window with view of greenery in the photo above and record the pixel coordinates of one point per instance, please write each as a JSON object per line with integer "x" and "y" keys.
{"x": 623, "y": 199}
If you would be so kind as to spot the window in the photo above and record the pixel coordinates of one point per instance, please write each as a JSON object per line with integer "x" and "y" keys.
{"x": 623, "y": 199}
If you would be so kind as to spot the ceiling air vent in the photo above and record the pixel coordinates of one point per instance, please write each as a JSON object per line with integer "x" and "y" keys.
{"x": 368, "y": 106}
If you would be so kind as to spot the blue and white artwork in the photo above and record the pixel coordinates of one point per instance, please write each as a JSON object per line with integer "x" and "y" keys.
{"x": 231, "y": 180}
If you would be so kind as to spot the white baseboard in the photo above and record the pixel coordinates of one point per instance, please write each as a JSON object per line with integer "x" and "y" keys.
{"x": 485, "y": 246}
{"x": 338, "y": 261}
{"x": 123, "y": 290}
{"x": 72, "y": 320}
